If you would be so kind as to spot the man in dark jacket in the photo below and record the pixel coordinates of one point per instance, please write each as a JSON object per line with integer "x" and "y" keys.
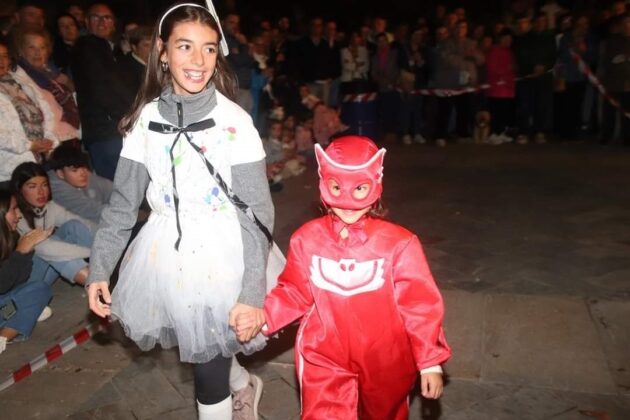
{"x": 103, "y": 93}
{"x": 535, "y": 51}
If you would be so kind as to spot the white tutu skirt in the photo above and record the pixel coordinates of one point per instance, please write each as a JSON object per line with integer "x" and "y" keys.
{"x": 182, "y": 298}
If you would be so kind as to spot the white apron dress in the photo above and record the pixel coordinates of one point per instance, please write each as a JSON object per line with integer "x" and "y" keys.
{"x": 183, "y": 298}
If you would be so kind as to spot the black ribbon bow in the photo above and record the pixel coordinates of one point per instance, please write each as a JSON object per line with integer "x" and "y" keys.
{"x": 200, "y": 126}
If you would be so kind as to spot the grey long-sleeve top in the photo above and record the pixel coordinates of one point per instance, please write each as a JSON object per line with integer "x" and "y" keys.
{"x": 132, "y": 179}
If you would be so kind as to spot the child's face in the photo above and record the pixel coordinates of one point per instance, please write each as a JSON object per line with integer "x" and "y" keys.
{"x": 346, "y": 215}
{"x": 275, "y": 131}
{"x": 191, "y": 54}
{"x": 36, "y": 191}
{"x": 13, "y": 215}
{"x": 78, "y": 177}
{"x": 304, "y": 91}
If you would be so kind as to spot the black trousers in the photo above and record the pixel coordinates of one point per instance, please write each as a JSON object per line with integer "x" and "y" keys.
{"x": 502, "y": 114}
{"x": 212, "y": 380}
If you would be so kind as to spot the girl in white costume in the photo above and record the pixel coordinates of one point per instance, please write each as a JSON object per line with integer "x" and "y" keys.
{"x": 198, "y": 257}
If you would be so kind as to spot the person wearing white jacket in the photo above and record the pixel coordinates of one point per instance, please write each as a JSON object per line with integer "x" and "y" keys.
{"x": 26, "y": 122}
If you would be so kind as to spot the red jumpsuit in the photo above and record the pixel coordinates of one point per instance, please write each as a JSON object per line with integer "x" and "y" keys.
{"x": 371, "y": 317}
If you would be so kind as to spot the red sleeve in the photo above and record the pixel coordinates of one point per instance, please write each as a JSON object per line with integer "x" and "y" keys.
{"x": 292, "y": 297}
{"x": 420, "y": 305}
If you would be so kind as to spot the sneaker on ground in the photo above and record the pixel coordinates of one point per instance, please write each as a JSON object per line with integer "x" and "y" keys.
{"x": 522, "y": 139}
{"x": 505, "y": 138}
{"x": 46, "y": 313}
{"x": 440, "y": 142}
{"x": 406, "y": 139}
{"x": 3, "y": 344}
{"x": 245, "y": 401}
{"x": 540, "y": 138}
{"x": 419, "y": 139}
{"x": 494, "y": 139}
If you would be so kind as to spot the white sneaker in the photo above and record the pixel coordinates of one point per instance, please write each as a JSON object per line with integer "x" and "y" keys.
{"x": 46, "y": 313}
{"x": 440, "y": 143}
{"x": 245, "y": 401}
{"x": 406, "y": 139}
{"x": 3, "y": 344}
{"x": 419, "y": 139}
{"x": 522, "y": 139}
{"x": 505, "y": 138}
{"x": 494, "y": 139}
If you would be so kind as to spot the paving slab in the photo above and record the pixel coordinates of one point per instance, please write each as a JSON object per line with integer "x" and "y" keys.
{"x": 611, "y": 321}
{"x": 463, "y": 326}
{"x": 543, "y": 341}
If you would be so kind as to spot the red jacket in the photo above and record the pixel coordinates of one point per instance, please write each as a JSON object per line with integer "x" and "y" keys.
{"x": 368, "y": 305}
{"x": 500, "y": 72}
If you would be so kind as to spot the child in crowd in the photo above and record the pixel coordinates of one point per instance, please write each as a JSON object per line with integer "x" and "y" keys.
{"x": 274, "y": 154}
{"x": 23, "y": 298}
{"x": 371, "y": 312}
{"x": 65, "y": 252}
{"x": 197, "y": 157}
{"x": 326, "y": 122}
{"x": 304, "y": 140}
{"x": 74, "y": 186}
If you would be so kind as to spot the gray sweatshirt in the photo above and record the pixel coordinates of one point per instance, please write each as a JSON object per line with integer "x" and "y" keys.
{"x": 87, "y": 202}
{"x": 249, "y": 182}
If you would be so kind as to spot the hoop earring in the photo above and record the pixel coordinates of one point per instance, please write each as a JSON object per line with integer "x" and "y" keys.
{"x": 164, "y": 65}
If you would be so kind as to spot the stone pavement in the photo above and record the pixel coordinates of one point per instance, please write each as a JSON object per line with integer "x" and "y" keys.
{"x": 530, "y": 245}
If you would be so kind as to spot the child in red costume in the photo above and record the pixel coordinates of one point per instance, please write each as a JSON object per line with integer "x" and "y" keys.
{"x": 371, "y": 312}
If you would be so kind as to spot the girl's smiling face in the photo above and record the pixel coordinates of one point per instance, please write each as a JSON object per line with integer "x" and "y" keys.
{"x": 349, "y": 216}
{"x": 191, "y": 54}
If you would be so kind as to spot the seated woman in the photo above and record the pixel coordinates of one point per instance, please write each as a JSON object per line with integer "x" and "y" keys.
{"x": 35, "y": 48}
{"x": 23, "y": 298}
{"x": 26, "y": 121}
{"x": 63, "y": 253}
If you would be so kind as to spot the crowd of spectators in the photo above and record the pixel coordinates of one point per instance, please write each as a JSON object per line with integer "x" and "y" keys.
{"x": 444, "y": 77}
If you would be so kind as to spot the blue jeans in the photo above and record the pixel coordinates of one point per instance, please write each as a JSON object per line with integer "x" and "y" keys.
{"x": 73, "y": 232}
{"x": 104, "y": 156}
{"x": 30, "y": 299}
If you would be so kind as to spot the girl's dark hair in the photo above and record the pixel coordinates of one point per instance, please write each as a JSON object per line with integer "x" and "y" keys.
{"x": 155, "y": 80}
{"x": 21, "y": 174}
{"x": 12, "y": 55}
{"x": 8, "y": 238}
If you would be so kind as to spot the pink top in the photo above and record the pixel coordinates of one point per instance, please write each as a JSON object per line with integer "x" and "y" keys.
{"x": 501, "y": 72}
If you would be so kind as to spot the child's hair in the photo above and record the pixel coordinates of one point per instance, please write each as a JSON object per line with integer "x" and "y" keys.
{"x": 21, "y": 174}
{"x": 67, "y": 154}
{"x": 155, "y": 80}
{"x": 8, "y": 238}
{"x": 377, "y": 210}
{"x": 140, "y": 33}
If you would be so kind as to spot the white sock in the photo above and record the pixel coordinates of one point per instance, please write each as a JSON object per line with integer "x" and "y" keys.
{"x": 239, "y": 377}
{"x": 3, "y": 344}
{"x": 219, "y": 411}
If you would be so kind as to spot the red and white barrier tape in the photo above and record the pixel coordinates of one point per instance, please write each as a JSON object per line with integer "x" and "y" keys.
{"x": 584, "y": 68}
{"x": 54, "y": 353}
{"x": 360, "y": 97}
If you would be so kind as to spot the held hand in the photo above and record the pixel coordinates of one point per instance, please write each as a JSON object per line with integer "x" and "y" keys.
{"x": 96, "y": 291}
{"x": 41, "y": 146}
{"x": 252, "y": 316}
{"x": 431, "y": 385}
{"x": 30, "y": 239}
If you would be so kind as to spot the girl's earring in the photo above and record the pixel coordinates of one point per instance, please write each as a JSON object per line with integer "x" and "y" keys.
{"x": 164, "y": 65}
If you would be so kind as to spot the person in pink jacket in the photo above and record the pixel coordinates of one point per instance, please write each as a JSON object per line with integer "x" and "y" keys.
{"x": 501, "y": 72}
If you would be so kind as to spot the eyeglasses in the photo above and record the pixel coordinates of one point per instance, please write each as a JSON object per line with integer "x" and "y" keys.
{"x": 104, "y": 18}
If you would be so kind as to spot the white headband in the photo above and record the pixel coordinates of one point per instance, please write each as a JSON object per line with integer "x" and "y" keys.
{"x": 213, "y": 12}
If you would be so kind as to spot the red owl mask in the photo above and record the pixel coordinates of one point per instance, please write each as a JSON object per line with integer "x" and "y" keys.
{"x": 350, "y": 161}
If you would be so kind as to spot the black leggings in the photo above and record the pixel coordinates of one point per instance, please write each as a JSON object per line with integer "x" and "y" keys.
{"x": 212, "y": 380}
